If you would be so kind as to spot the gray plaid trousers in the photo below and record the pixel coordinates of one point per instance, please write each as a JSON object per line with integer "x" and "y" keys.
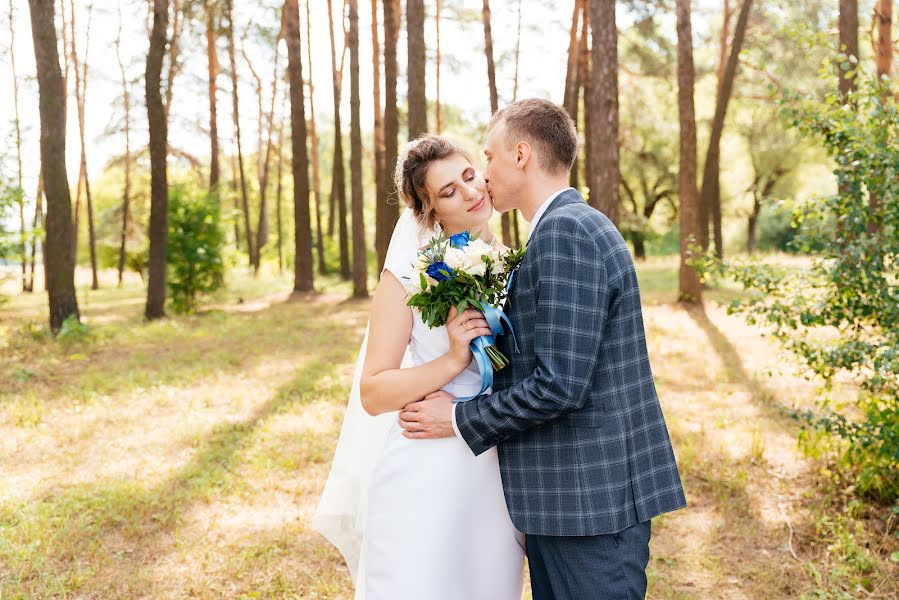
{"x": 582, "y": 442}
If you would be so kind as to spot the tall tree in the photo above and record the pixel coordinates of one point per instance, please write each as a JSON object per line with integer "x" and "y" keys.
{"x": 60, "y": 270}
{"x": 18, "y": 130}
{"x": 338, "y": 179}
{"x": 80, "y": 67}
{"x": 416, "y": 99}
{"x": 437, "y": 108}
{"x": 360, "y": 264}
{"x": 513, "y": 215}
{"x": 710, "y": 199}
{"x": 386, "y": 209}
{"x": 848, "y": 43}
{"x": 159, "y": 192}
{"x": 569, "y": 98}
{"x": 883, "y": 15}
{"x": 303, "y": 266}
{"x": 380, "y": 169}
{"x": 235, "y": 115}
{"x": 689, "y": 287}
{"x": 583, "y": 87}
{"x": 126, "y": 194}
{"x": 36, "y": 224}
{"x": 313, "y": 142}
{"x": 212, "y": 67}
{"x": 605, "y": 171}
{"x": 505, "y": 223}
{"x": 174, "y": 54}
{"x": 278, "y": 219}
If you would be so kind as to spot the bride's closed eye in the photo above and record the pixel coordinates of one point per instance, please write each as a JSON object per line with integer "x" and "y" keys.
{"x": 468, "y": 177}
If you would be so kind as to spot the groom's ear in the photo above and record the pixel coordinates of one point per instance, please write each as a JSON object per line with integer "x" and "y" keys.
{"x": 522, "y": 154}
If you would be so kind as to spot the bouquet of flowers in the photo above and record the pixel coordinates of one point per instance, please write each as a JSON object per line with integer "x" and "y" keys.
{"x": 465, "y": 272}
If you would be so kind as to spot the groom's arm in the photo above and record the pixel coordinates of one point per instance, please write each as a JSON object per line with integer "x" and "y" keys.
{"x": 572, "y": 309}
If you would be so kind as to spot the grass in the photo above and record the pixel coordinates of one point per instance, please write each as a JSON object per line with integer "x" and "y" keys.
{"x": 184, "y": 458}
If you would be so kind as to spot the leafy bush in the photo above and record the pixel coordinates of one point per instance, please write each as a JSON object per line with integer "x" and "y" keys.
{"x": 841, "y": 316}
{"x": 195, "y": 265}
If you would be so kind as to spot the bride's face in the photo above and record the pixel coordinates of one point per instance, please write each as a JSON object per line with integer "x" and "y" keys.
{"x": 459, "y": 194}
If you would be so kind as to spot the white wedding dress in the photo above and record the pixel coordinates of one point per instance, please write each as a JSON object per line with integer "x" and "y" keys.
{"x": 427, "y": 519}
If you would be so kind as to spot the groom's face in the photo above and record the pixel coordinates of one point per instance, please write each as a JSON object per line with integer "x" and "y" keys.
{"x": 501, "y": 173}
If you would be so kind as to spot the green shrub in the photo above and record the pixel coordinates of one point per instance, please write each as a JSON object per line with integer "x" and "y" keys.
{"x": 195, "y": 264}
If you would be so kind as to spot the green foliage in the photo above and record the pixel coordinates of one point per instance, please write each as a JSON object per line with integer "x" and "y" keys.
{"x": 73, "y": 332}
{"x": 841, "y": 316}
{"x": 195, "y": 264}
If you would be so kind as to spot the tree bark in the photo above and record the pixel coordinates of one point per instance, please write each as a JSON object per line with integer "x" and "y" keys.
{"x": 416, "y": 99}
{"x": 569, "y": 98}
{"x": 884, "y": 17}
{"x": 438, "y": 108}
{"x": 583, "y": 86}
{"x": 126, "y": 194}
{"x": 360, "y": 263}
{"x": 710, "y": 199}
{"x": 38, "y": 223}
{"x": 60, "y": 269}
{"x": 303, "y": 265}
{"x": 848, "y": 44}
{"x": 505, "y": 223}
{"x": 380, "y": 167}
{"x": 689, "y": 287}
{"x": 18, "y": 134}
{"x": 313, "y": 142}
{"x": 174, "y": 50}
{"x": 159, "y": 193}
{"x": 605, "y": 170}
{"x": 387, "y": 207}
{"x": 212, "y": 66}
{"x": 235, "y": 112}
{"x": 278, "y": 195}
{"x": 338, "y": 178}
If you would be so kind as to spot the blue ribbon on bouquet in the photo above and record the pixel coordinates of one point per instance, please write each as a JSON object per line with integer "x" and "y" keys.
{"x": 495, "y": 318}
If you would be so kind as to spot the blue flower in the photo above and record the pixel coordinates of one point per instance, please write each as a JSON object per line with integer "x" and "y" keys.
{"x": 460, "y": 240}
{"x": 434, "y": 270}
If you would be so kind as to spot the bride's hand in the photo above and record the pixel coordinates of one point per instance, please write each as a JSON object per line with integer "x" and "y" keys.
{"x": 462, "y": 328}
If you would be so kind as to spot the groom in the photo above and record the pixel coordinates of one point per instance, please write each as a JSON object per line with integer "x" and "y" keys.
{"x": 584, "y": 452}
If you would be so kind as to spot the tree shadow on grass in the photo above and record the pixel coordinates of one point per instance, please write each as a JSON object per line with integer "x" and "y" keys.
{"x": 49, "y": 544}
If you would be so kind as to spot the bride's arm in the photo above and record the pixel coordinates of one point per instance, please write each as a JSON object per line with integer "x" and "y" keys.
{"x": 384, "y": 386}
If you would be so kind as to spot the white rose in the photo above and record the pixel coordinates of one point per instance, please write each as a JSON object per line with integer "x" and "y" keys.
{"x": 474, "y": 266}
{"x": 454, "y": 258}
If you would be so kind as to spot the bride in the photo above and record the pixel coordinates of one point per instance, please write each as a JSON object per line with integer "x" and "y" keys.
{"x": 420, "y": 518}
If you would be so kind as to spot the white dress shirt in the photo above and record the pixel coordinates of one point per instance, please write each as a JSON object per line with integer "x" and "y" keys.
{"x": 534, "y": 221}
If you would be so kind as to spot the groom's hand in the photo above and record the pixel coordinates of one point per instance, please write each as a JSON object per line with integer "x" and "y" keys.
{"x": 430, "y": 418}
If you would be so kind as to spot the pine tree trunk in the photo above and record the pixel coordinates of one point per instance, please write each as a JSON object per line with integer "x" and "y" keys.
{"x": 710, "y": 199}
{"x": 689, "y": 288}
{"x": 38, "y": 223}
{"x": 213, "y": 71}
{"x": 380, "y": 168}
{"x": 884, "y": 18}
{"x": 417, "y": 100}
{"x": 505, "y": 224}
{"x": 438, "y": 109}
{"x": 313, "y": 142}
{"x": 235, "y": 113}
{"x": 338, "y": 178}
{"x": 262, "y": 226}
{"x": 605, "y": 169}
{"x": 126, "y": 194}
{"x": 158, "y": 178}
{"x": 16, "y": 123}
{"x": 303, "y": 265}
{"x": 586, "y": 81}
{"x": 174, "y": 50}
{"x": 386, "y": 208}
{"x": 278, "y": 201}
{"x": 360, "y": 262}
{"x": 60, "y": 280}
{"x": 848, "y": 42}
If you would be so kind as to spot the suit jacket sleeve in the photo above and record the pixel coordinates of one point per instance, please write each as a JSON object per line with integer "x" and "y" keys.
{"x": 572, "y": 309}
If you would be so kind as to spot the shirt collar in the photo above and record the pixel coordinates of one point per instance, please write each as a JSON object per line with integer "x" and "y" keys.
{"x": 542, "y": 210}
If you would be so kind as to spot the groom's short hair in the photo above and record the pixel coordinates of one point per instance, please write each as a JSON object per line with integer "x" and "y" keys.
{"x": 546, "y": 126}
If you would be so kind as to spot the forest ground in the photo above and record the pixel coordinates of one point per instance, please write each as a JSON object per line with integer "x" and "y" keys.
{"x": 184, "y": 458}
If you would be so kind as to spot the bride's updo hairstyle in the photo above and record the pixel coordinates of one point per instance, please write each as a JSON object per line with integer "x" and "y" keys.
{"x": 412, "y": 167}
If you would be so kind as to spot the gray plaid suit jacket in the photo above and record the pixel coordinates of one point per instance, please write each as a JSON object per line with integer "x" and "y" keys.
{"x": 582, "y": 443}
